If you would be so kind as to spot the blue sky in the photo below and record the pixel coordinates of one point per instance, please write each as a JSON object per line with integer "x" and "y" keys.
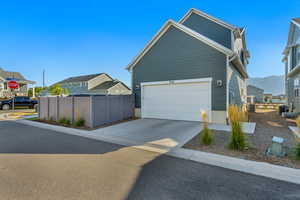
{"x": 69, "y": 38}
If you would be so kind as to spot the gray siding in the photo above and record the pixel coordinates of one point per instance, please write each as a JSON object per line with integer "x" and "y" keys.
{"x": 292, "y": 100}
{"x": 234, "y": 88}
{"x": 296, "y": 34}
{"x": 209, "y": 29}
{"x": 179, "y": 56}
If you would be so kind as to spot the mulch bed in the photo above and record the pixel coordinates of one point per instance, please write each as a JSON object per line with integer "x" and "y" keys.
{"x": 83, "y": 128}
{"x": 269, "y": 124}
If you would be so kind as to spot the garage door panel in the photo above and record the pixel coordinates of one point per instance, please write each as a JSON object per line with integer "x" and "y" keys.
{"x": 176, "y": 101}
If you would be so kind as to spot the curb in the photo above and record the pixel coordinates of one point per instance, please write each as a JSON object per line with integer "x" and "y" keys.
{"x": 295, "y": 130}
{"x": 247, "y": 166}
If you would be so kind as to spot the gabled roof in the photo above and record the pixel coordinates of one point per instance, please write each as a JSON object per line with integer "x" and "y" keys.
{"x": 13, "y": 75}
{"x": 75, "y": 79}
{"x": 109, "y": 84}
{"x": 216, "y": 20}
{"x": 8, "y": 74}
{"x": 255, "y": 87}
{"x": 171, "y": 23}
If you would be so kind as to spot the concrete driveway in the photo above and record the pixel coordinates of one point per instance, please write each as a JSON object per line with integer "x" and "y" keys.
{"x": 157, "y": 132}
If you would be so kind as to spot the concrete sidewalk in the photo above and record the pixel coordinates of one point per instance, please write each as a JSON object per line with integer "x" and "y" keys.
{"x": 247, "y": 166}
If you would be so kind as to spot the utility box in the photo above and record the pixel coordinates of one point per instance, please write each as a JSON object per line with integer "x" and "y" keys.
{"x": 276, "y": 148}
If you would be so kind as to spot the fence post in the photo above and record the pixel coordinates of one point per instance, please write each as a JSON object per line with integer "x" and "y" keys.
{"x": 57, "y": 108}
{"x": 73, "y": 110}
{"x": 107, "y": 109}
{"x": 48, "y": 108}
{"x": 92, "y": 111}
{"x": 39, "y": 107}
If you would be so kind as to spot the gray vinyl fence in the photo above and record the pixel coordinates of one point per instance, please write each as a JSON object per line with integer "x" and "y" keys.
{"x": 95, "y": 110}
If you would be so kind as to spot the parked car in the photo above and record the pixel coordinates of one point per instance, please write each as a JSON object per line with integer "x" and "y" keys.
{"x": 18, "y": 102}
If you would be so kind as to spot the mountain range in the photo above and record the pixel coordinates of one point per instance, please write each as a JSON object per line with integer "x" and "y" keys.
{"x": 271, "y": 84}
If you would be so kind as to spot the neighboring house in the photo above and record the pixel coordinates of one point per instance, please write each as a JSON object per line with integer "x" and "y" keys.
{"x": 255, "y": 94}
{"x": 94, "y": 84}
{"x": 5, "y": 77}
{"x": 195, "y": 65}
{"x": 279, "y": 99}
{"x": 292, "y": 66}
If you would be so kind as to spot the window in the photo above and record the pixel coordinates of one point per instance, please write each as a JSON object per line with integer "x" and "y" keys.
{"x": 295, "y": 57}
{"x": 296, "y": 91}
{"x": 298, "y": 55}
{"x": 19, "y": 99}
{"x": 5, "y": 86}
{"x": 296, "y": 82}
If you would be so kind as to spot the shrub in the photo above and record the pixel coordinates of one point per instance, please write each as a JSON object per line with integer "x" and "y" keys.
{"x": 206, "y": 135}
{"x": 62, "y": 120}
{"x": 298, "y": 151}
{"x": 68, "y": 122}
{"x": 65, "y": 121}
{"x": 298, "y": 123}
{"x": 237, "y": 138}
{"x": 51, "y": 119}
{"x": 80, "y": 122}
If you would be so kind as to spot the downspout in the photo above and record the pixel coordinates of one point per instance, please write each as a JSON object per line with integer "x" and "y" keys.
{"x": 227, "y": 88}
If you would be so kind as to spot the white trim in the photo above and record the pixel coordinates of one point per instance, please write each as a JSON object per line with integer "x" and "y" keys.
{"x": 227, "y": 85}
{"x": 211, "y": 18}
{"x": 178, "y": 81}
{"x": 120, "y": 83}
{"x": 292, "y": 72}
{"x": 232, "y": 41}
{"x": 114, "y": 86}
{"x": 97, "y": 78}
{"x": 186, "y": 30}
{"x": 296, "y": 23}
{"x": 241, "y": 66}
{"x": 155, "y": 83}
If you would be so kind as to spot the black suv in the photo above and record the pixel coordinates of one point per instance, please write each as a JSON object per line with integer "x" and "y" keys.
{"x": 18, "y": 102}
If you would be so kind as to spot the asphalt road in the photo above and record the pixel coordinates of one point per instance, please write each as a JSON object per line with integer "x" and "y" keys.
{"x": 43, "y": 164}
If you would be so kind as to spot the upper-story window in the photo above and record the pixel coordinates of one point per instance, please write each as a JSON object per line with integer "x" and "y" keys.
{"x": 296, "y": 82}
{"x": 294, "y": 59}
{"x": 298, "y": 55}
{"x": 84, "y": 84}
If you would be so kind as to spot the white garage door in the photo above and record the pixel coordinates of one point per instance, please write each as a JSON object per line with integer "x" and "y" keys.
{"x": 181, "y": 100}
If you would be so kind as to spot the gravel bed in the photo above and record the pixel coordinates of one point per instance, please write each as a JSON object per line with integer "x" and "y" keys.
{"x": 268, "y": 124}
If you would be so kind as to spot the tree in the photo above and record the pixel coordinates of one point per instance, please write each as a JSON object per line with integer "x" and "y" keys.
{"x": 37, "y": 90}
{"x": 58, "y": 90}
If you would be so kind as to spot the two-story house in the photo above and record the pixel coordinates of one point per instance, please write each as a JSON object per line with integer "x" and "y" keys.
{"x": 93, "y": 84}
{"x": 292, "y": 66}
{"x": 194, "y": 65}
{"x": 5, "y": 77}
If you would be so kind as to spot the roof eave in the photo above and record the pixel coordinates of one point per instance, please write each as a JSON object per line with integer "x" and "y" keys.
{"x": 295, "y": 71}
{"x": 240, "y": 67}
{"x": 296, "y": 23}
